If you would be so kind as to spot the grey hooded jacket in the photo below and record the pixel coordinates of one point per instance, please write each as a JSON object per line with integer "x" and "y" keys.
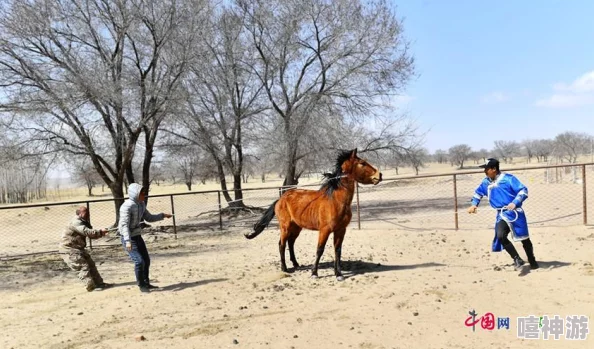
{"x": 133, "y": 212}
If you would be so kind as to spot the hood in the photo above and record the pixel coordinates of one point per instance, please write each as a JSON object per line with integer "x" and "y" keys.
{"x": 134, "y": 191}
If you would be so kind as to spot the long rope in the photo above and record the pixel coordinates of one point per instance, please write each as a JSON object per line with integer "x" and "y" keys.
{"x": 500, "y": 210}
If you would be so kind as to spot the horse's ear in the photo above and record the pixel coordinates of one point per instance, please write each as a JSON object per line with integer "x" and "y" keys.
{"x": 354, "y": 153}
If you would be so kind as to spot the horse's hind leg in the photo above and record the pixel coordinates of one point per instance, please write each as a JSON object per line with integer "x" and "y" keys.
{"x": 295, "y": 230}
{"x": 322, "y": 239}
{"x": 338, "y": 239}
{"x": 282, "y": 244}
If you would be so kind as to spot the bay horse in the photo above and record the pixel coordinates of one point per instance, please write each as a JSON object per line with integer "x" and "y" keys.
{"x": 327, "y": 210}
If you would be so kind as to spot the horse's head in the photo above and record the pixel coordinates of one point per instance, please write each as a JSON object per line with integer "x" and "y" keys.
{"x": 361, "y": 170}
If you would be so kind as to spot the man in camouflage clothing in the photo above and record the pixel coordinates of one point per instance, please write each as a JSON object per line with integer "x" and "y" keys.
{"x": 72, "y": 249}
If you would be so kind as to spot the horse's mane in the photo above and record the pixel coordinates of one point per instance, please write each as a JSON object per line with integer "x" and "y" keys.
{"x": 331, "y": 180}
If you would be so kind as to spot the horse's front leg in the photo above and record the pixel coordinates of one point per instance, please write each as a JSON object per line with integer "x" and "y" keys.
{"x": 338, "y": 239}
{"x": 322, "y": 239}
{"x": 294, "y": 234}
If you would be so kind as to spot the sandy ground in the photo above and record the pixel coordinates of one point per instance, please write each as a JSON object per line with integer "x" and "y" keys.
{"x": 404, "y": 289}
{"x": 411, "y": 277}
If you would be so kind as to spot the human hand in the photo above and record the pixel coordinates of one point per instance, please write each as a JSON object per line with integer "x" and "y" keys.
{"x": 167, "y": 215}
{"x": 129, "y": 246}
{"x": 511, "y": 206}
{"x": 472, "y": 209}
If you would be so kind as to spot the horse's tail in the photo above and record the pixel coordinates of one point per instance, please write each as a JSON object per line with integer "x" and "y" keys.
{"x": 263, "y": 222}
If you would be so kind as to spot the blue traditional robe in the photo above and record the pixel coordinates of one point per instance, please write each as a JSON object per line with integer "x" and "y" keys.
{"x": 501, "y": 191}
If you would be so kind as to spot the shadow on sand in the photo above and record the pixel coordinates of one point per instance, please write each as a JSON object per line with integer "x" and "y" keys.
{"x": 183, "y": 285}
{"x": 544, "y": 265}
{"x": 352, "y": 268}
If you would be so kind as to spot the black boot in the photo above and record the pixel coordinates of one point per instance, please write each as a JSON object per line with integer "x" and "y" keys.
{"x": 518, "y": 262}
{"x": 149, "y": 285}
{"x": 530, "y": 253}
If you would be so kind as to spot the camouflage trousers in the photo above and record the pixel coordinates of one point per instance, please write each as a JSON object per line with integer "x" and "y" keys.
{"x": 81, "y": 261}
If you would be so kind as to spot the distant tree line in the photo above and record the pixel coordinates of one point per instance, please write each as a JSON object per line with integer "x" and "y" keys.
{"x": 565, "y": 147}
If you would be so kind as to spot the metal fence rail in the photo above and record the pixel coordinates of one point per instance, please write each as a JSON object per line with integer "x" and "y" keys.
{"x": 558, "y": 196}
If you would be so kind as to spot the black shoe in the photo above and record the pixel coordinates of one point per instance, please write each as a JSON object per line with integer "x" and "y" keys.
{"x": 144, "y": 289}
{"x": 518, "y": 263}
{"x": 534, "y": 265}
{"x": 148, "y": 284}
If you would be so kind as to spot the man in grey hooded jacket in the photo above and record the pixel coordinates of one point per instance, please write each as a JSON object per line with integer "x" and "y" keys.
{"x": 132, "y": 213}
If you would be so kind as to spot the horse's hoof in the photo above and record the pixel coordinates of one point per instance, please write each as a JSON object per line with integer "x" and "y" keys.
{"x": 314, "y": 276}
{"x": 340, "y": 278}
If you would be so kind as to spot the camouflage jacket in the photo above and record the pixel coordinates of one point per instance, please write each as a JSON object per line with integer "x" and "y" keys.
{"x": 74, "y": 236}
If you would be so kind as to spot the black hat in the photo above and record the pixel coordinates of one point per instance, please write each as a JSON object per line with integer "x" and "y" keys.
{"x": 491, "y": 163}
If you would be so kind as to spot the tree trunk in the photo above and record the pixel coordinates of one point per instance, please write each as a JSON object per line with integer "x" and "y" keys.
{"x": 291, "y": 166}
{"x": 130, "y": 175}
{"x": 146, "y": 165}
{"x": 238, "y": 192}
{"x": 118, "y": 194}
{"x": 222, "y": 180}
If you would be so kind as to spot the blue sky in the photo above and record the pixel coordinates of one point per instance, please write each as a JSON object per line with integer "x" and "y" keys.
{"x": 505, "y": 70}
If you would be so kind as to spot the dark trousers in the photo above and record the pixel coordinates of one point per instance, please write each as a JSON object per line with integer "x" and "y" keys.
{"x": 502, "y": 229}
{"x": 141, "y": 259}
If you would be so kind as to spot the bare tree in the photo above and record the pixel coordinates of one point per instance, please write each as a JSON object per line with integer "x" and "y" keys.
{"x": 83, "y": 171}
{"x": 260, "y": 162}
{"x": 344, "y": 54}
{"x": 483, "y": 154}
{"x": 440, "y": 156}
{"x": 475, "y": 156}
{"x": 459, "y": 153}
{"x": 506, "y": 150}
{"x": 223, "y": 94}
{"x": 89, "y": 77}
{"x": 417, "y": 158}
{"x": 570, "y": 145}
{"x": 396, "y": 162}
{"x": 162, "y": 61}
{"x": 170, "y": 172}
{"x": 529, "y": 147}
{"x": 158, "y": 174}
{"x": 187, "y": 161}
{"x": 543, "y": 148}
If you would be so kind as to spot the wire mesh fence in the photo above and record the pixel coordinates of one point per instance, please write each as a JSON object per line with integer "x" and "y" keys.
{"x": 558, "y": 196}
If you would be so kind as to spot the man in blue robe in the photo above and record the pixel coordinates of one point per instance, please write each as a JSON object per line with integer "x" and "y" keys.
{"x": 506, "y": 194}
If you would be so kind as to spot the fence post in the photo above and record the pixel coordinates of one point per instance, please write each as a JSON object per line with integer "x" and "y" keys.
{"x": 173, "y": 216}
{"x": 584, "y": 197}
{"x": 455, "y": 203}
{"x": 220, "y": 211}
{"x": 358, "y": 210}
{"x": 89, "y": 212}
